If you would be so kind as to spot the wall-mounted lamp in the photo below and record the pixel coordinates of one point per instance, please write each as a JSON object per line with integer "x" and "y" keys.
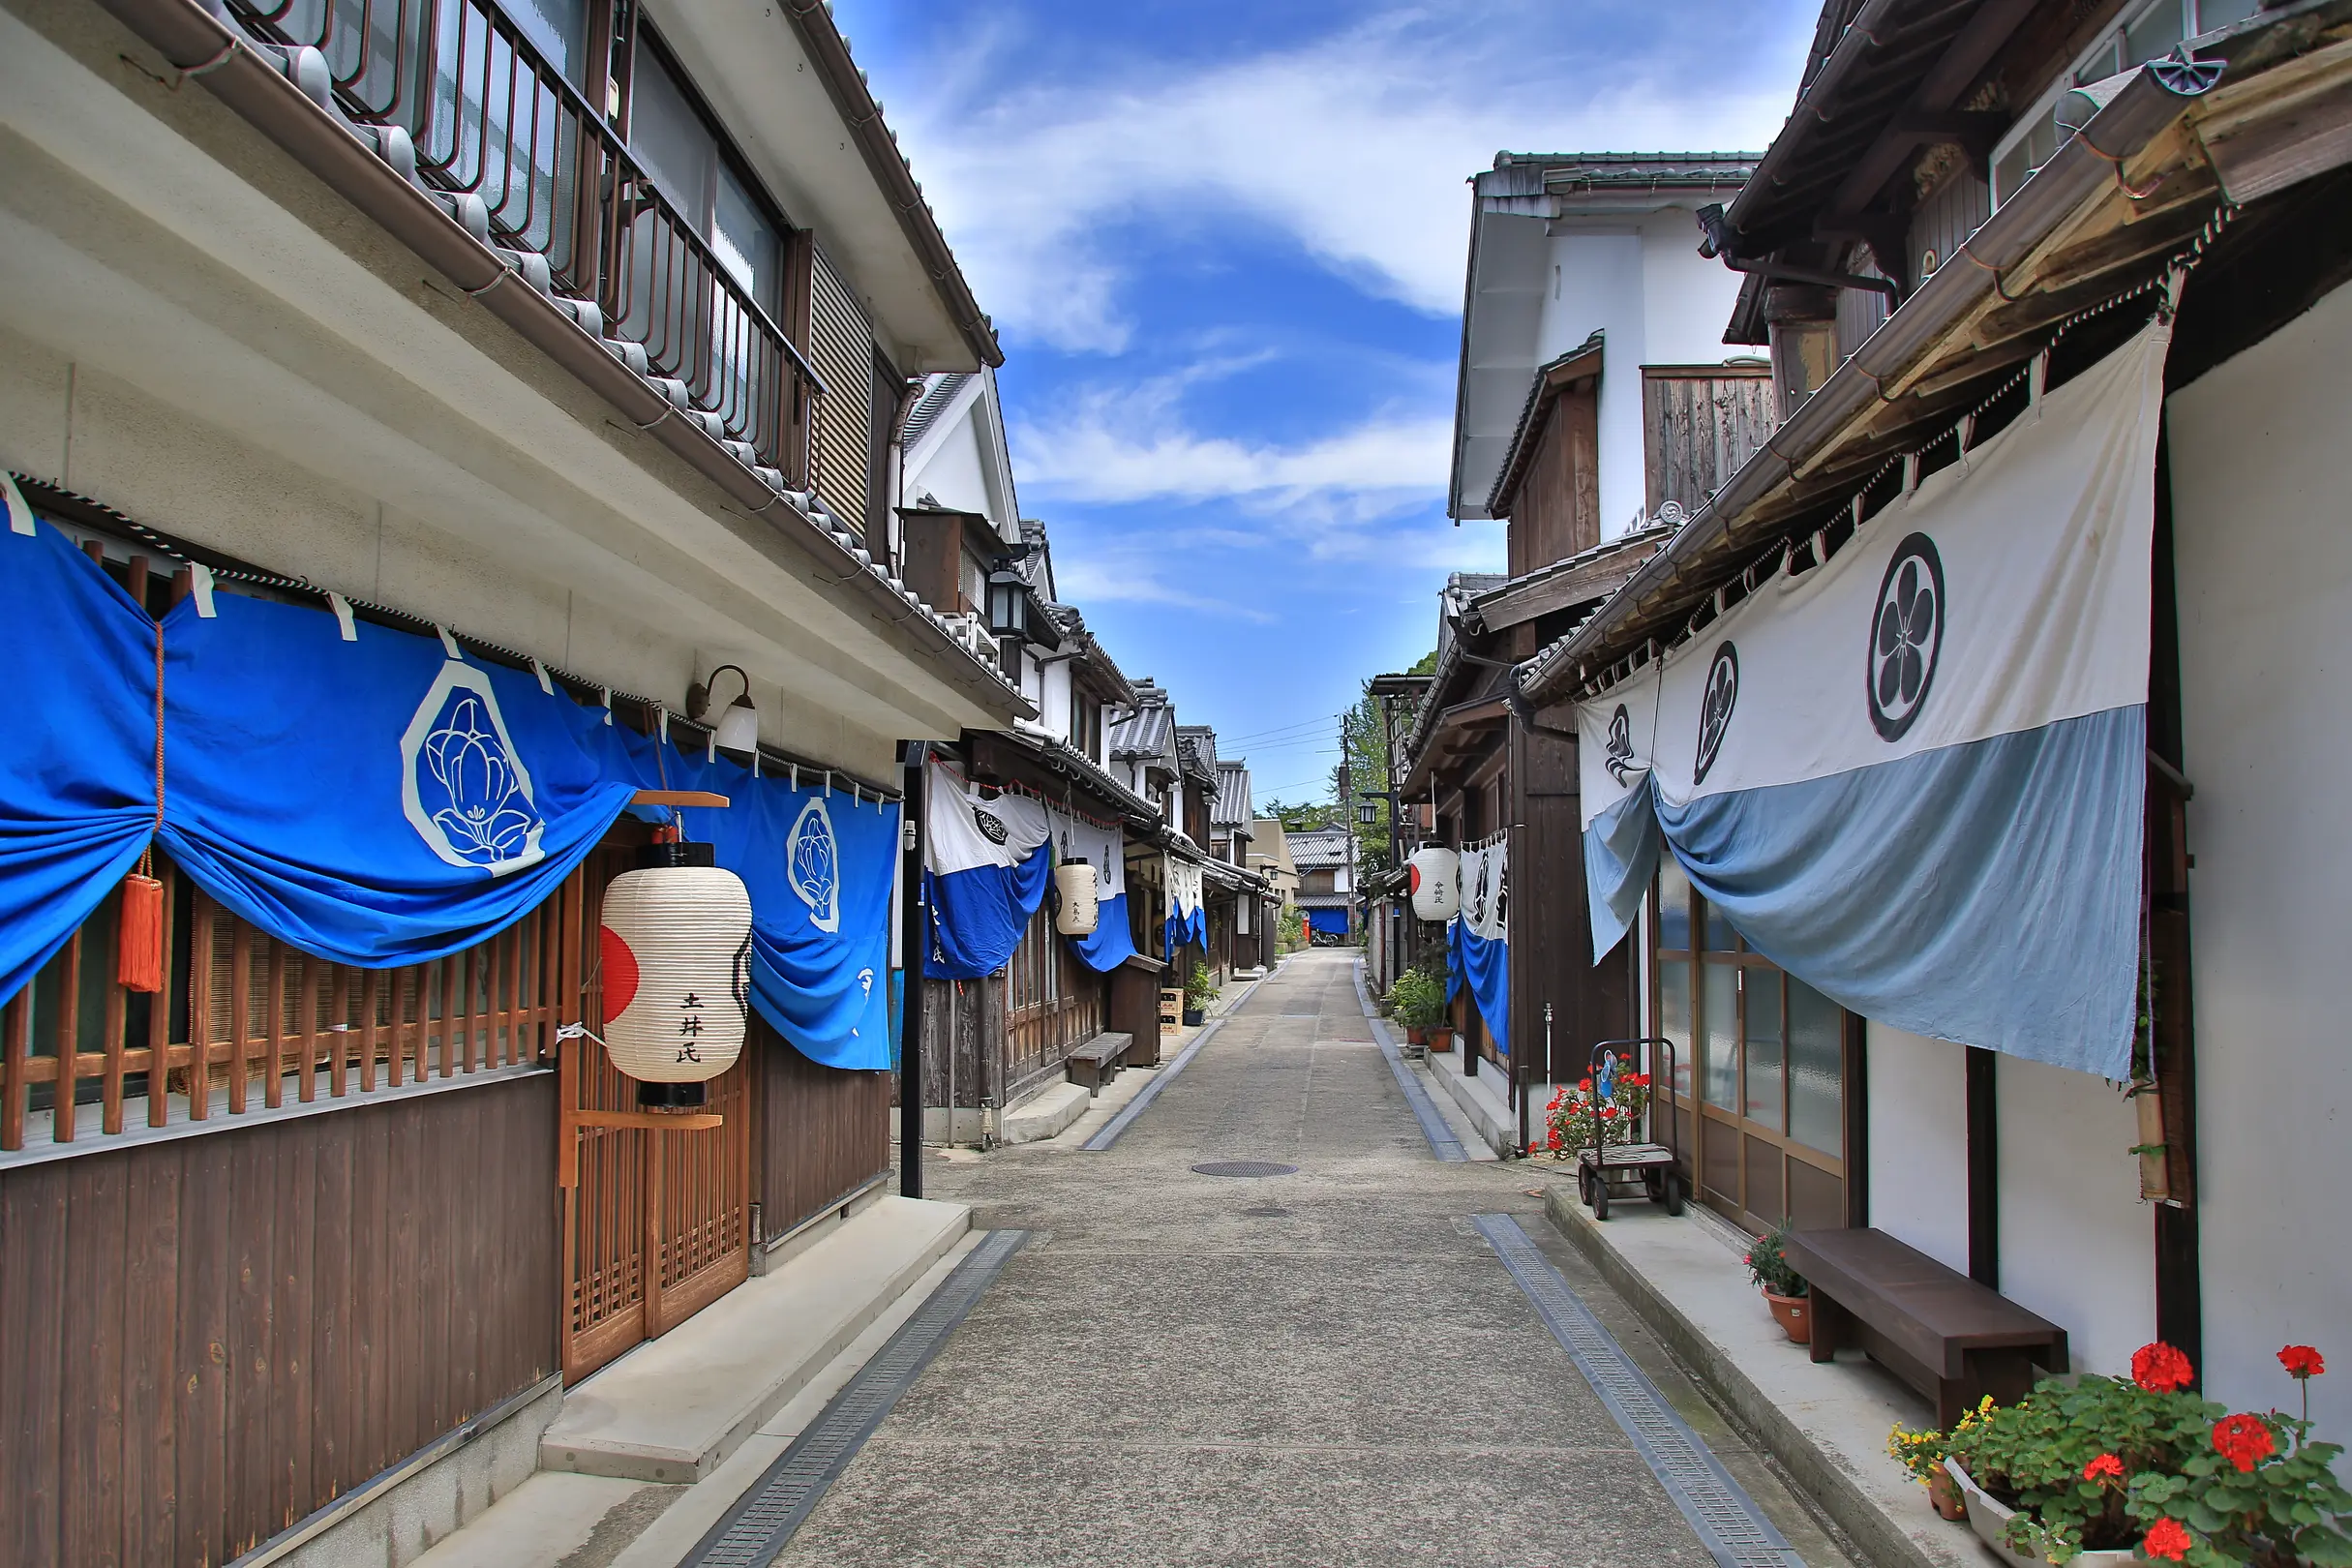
{"x": 738, "y": 728}
{"x": 1008, "y": 604}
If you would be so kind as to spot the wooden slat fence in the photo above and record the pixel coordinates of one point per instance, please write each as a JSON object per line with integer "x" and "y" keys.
{"x": 248, "y": 1023}
{"x": 1053, "y": 1001}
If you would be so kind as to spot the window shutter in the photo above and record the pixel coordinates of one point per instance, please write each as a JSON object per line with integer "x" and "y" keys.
{"x": 841, "y": 346}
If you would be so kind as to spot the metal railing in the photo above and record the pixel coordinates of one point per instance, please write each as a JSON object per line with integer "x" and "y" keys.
{"x": 492, "y": 122}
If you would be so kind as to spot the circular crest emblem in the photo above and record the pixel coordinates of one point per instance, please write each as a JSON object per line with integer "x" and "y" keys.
{"x": 1906, "y": 636}
{"x": 991, "y": 826}
{"x": 1715, "y": 708}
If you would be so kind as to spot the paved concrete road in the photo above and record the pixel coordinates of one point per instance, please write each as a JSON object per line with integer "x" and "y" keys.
{"x": 1321, "y": 1368}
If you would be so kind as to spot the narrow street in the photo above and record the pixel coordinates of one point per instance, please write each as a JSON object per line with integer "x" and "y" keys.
{"x": 1317, "y": 1368}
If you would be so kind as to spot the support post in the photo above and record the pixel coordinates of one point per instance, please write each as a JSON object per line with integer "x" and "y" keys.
{"x": 910, "y": 952}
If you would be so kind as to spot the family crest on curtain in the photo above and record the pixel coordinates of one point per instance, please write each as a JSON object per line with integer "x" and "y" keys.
{"x": 1188, "y": 920}
{"x": 1920, "y": 767}
{"x": 368, "y": 796}
{"x": 986, "y": 865}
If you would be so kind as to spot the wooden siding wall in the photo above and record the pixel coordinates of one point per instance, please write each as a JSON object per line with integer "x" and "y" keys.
{"x": 1948, "y": 217}
{"x": 1054, "y": 1001}
{"x": 963, "y": 1040}
{"x": 1558, "y": 510}
{"x": 1699, "y": 424}
{"x": 841, "y": 346}
{"x": 823, "y": 1133}
{"x": 1551, "y": 926}
{"x": 203, "y": 1341}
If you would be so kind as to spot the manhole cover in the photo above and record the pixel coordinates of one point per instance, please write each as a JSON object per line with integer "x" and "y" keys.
{"x": 1244, "y": 1167}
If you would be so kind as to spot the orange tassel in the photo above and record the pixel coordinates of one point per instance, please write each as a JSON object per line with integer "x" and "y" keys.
{"x": 138, "y": 942}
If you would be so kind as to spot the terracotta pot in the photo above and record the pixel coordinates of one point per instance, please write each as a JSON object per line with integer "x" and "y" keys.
{"x": 1794, "y": 1314}
{"x": 1438, "y": 1039}
{"x": 1945, "y": 1493}
{"x": 1417, "y": 1036}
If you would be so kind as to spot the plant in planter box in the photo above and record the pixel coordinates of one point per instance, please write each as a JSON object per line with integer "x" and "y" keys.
{"x": 1199, "y": 990}
{"x": 2145, "y": 1466}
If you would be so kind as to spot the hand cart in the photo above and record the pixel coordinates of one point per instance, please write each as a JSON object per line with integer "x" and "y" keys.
{"x": 1647, "y": 1170}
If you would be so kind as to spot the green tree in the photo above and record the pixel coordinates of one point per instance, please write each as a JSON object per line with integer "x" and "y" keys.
{"x": 1366, "y": 734}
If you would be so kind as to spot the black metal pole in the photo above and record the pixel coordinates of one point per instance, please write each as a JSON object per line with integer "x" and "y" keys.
{"x": 911, "y": 950}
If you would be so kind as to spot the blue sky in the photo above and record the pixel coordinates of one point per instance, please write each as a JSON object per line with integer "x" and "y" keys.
{"x": 1223, "y": 246}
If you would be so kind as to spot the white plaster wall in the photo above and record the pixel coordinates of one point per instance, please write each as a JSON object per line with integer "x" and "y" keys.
{"x": 2263, "y": 558}
{"x": 952, "y": 474}
{"x": 2077, "y": 1245}
{"x": 1918, "y": 1142}
{"x": 1596, "y": 285}
{"x": 1687, "y": 298}
{"x": 161, "y": 465}
{"x": 1054, "y": 711}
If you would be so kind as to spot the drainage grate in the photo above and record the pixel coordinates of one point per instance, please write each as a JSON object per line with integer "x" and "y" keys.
{"x": 761, "y": 1523}
{"x": 1727, "y": 1521}
{"x": 1441, "y": 1140}
{"x": 1244, "y": 1167}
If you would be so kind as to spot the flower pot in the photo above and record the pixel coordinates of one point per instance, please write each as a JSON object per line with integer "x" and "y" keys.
{"x": 1194, "y": 1016}
{"x": 1944, "y": 1494}
{"x": 1990, "y": 1519}
{"x": 1794, "y": 1314}
{"x": 1438, "y": 1039}
{"x": 1417, "y": 1036}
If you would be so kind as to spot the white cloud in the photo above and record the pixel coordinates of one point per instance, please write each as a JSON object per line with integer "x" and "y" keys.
{"x": 1354, "y": 146}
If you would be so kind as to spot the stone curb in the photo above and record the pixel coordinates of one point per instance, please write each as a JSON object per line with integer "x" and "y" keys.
{"x": 1883, "y": 1540}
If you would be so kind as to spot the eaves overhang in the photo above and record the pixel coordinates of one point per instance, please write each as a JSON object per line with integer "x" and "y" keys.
{"x": 2136, "y": 186}
{"x": 234, "y": 69}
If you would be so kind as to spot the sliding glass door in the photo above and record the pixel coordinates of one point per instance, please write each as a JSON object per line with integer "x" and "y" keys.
{"x": 1758, "y": 1096}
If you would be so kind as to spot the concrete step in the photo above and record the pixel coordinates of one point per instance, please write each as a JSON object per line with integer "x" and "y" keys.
{"x": 673, "y": 1409}
{"x": 1481, "y": 1098}
{"x": 1043, "y": 1115}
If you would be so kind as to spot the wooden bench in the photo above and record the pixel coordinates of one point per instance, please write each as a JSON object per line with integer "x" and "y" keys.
{"x": 1939, "y": 1331}
{"x": 1097, "y": 1061}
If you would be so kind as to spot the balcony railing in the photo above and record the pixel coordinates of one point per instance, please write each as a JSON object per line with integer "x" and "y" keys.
{"x": 518, "y": 154}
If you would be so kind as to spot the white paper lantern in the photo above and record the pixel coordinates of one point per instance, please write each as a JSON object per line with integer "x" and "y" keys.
{"x": 1434, "y": 877}
{"x": 1074, "y": 881}
{"x": 677, "y": 972}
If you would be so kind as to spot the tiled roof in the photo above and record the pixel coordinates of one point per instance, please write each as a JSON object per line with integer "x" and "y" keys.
{"x": 934, "y": 400}
{"x": 1145, "y": 735}
{"x": 1318, "y": 849}
{"x": 1197, "y": 749}
{"x": 1232, "y": 807}
{"x": 1307, "y": 900}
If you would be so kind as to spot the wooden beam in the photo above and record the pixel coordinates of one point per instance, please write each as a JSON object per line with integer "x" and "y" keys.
{"x": 1970, "y": 51}
{"x": 1593, "y": 581}
{"x": 678, "y": 798}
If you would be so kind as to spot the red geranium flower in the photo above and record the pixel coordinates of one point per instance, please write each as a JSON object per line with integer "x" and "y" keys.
{"x": 1585, "y": 1084}
{"x": 2169, "y": 1540}
{"x": 2243, "y": 1440}
{"x": 2159, "y": 1369}
{"x": 2302, "y": 1361}
{"x": 2105, "y": 1467}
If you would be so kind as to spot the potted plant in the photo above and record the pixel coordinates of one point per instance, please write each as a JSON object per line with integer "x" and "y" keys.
{"x": 2100, "y": 1472}
{"x": 1924, "y": 1453}
{"x": 1418, "y": 1002}
{"x": 1783, "y": 1290}
{"x": 1198, "y": 990}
